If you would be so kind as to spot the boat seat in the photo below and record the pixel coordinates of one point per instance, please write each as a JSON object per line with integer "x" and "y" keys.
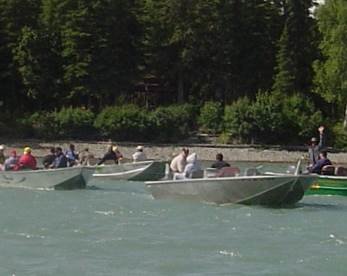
{"x": 197, "y": 174}
{"x": 340, "y": 171}
{"x": 251, "y": 172}
{"x": 210, "y": 172}
{"x": 328, "y": 170}
{"x": 228, "y": 171}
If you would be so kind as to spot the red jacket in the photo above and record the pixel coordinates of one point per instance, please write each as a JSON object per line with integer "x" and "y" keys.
{"x": 27, "y": 161}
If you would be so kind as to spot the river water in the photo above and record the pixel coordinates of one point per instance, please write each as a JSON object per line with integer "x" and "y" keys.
{"x": 119, "y": 229}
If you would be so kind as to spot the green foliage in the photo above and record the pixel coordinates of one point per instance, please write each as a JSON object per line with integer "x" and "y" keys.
{"x": 297, "y": 49}
{"x": 74, "y": 122}
{"x": 269, "y": 120}
{"x": 302, "y": 118}
{"x": 210, "y": 118}
{"x": 331, "y": 70}
{"x": 238, "y": 120}
{"x": 127, "y": 122}
{"x": 340, "y": 135}
{"x": 44, "y": 125}
{"x": 169, "y": 124}
{"x": 224, "y": 138}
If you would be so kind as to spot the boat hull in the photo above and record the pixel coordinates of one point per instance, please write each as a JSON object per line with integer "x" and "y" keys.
{"x": 329, "y": 185}
{"x": 59, "y": 179}
{"x": 250, "y": 190}
{"x": 141, "y": 171}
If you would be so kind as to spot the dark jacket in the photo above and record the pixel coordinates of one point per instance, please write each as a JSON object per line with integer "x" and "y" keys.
{"x": 313, "y": 151}
{"x": 220, "y": 164}
{"x": 317, "y": 168}
{"x": 60, "y": 161}
{"x": 110, "y": 155}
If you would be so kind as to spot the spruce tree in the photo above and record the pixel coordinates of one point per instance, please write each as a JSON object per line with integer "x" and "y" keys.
{"x": 297, "y": 51}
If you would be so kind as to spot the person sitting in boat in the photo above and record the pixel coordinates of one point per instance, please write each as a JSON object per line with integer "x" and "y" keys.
{"x": 315, "y": 147}
{"x": 26, "y": 161}
{"x": 139, "y": 155}
{"x": 72, "y": 156}
{"x": 322, "y": 161}
{"x": 220, "y": 163}
{"x": 11, "y": 162}
{"x": 86, "y": 157}
{"x": 60, "y": 160}
{"x": 112, "y": 154}
{"x": 191, "y": 167}
{"x": 49, "y": 158}
{"x": 178, "y": 164}
{"x": 2, "y": 156}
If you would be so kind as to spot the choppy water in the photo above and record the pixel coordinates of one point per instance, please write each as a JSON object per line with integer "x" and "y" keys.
{"x": 121, "y": 230}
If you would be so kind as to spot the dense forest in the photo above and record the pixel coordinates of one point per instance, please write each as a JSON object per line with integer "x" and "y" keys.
{"x": 247, "y": 70}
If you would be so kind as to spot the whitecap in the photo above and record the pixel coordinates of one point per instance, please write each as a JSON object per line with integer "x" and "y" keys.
{"x": 106, "y": 213}
{"x": 230, "y": 253}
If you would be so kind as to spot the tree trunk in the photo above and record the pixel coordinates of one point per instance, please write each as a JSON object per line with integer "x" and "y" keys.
{"x": 345, "y": 119}
{"x": 180, "y": 88}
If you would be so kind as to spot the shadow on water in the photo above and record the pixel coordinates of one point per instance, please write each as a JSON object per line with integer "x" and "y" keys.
{"x": 322, "y": 206}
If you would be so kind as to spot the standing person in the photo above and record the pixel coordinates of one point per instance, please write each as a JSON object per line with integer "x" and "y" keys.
{"x": 26, "y": 161}
{"x": 323, "y": 161}
{"x": 2, "y": 156}
{"x": 112, "y": 154}
{"x": 315, "y": 147}
{"x": 60, "y": 160}
{"x": 178, "y": 164}
{"x": 139, "y": 155}
{"x": 49, "y": 158}
{"x": 72, "y": 156}
{"x": 11, "y": 162}
{"x": 220, "y": 163}
{"x": 86, "y": 157}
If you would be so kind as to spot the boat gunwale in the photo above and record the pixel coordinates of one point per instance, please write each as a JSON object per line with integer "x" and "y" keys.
{"x": 42, "y": 170}
{"x": 221, "y": 179}
{"x": 120, "y": 173}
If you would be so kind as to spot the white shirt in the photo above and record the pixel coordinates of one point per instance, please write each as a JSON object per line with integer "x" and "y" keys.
{"x": 139, "y": 156}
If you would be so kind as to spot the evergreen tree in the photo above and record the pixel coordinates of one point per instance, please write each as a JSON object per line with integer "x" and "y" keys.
{"x": 296, "y": 49}
{"x": 331, "y": 70}
{"x": 14, "y": 15}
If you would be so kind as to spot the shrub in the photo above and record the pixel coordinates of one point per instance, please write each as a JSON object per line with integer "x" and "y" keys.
{"x": 238, "y": 120}
{"x": 269, "y": 119}
{"x": 169, "y": 124}
{"x": 210, "y": 118}
{"x": 128, "y": 122}
{"x": 43, "y": 124}
{"x": 302, "y": 119}
{"x": 340, "y": 135}
{"x": 74, "y": 123}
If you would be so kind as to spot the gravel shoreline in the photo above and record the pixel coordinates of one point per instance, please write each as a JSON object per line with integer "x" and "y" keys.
{"x": 244, "y": 153}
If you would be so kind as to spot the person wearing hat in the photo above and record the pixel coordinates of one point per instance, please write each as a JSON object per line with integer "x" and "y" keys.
{"x": 11, "y": 162}
{"x": 112, "y": 154}
{"x": 139, "y": 155}
{"x": 315, "y": 147}
{"x": 26, "y": 161}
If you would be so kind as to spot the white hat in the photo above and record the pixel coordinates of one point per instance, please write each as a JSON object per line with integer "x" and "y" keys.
{"x": 2, "y": 147}
{"x": 192, "y": 158}
{"x": 139, "y": 147}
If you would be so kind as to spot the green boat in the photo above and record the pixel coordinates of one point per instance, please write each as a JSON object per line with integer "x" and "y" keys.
{"x": 329, "y": 185}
